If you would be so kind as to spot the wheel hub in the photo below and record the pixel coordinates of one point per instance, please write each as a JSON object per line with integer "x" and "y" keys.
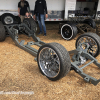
{"x": 8, "y": 20}
{"x": 92, "y": 44}
{"x": 67, "y": 32}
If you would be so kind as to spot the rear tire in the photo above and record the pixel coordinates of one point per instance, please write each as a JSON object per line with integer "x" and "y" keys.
{"x": 2, "y": 32}
{"x": 30, "y": 22}
{"x": 53, "y": 61}
{"x": 69, "y": 31}
{"x": 8, "y": 19}
{"x": 90, "y": 22}
{"x": 93, "y": 40}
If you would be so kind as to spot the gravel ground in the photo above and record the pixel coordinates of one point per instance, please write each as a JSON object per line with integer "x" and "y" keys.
{"x": 19, "y": 72}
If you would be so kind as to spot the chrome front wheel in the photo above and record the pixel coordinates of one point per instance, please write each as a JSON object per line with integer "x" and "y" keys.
{"x": 93, "y": 41}
{"x": 51, "y": 61}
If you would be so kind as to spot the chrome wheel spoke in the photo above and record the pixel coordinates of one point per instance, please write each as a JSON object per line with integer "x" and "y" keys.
{"x": 93, "y": 45}
{"x": 49, "y": 62}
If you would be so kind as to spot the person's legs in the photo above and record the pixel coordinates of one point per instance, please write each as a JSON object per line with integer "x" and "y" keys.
{"x": 22, "y": 18}
{"x": 39, "y": 23}
{"x": 43, "y": 23}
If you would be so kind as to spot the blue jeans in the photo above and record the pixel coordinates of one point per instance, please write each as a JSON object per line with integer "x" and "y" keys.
{"x": 41, "y": 22}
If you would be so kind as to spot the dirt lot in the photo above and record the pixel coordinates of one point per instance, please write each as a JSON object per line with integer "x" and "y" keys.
{"x": 19, "y": 72}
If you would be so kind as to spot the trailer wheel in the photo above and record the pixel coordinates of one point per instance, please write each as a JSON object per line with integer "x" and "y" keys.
{"x": 93, "y": 40}
{"x": 30, "y": 22}
{"x": 8, "y": 19}
{"x": 2, "y": 32}
{"x": 90, "y": 22}
{"x": 53, "y": 61}
{"x": 68, "y": 31}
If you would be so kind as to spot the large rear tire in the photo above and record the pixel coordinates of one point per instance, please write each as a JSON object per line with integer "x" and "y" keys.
{"x": 68, "y": 31}
{"x": 8, "y": 19}
{"x": 53, "y": 61}
{"x": 90, "y": 22}
{"x": 30, "y": 22}
{"x": 93, "y": 40}
{"x": 2, "y": 32}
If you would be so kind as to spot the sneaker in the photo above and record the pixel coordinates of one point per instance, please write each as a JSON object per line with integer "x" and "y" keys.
{"x": 44, "y": 34}
{"x": 39, "y": 33}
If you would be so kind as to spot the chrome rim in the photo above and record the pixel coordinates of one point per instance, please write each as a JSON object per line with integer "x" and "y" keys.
{"x": 93, "y": 47}
{"x": 49, "y": 62}
{"x": 8, "y": 20}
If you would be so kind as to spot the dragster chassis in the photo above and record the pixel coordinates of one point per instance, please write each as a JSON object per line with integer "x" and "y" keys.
{"x": 53, "y": 59}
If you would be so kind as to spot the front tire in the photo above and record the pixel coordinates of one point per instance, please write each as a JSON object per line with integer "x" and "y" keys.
{"x": 53, "y": 61}
{"x": 93, "y": 40}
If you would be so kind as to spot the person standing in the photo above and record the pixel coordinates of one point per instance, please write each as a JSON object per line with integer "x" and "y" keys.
{"x": 40, "y": 12}
{"x": 23, "y": 7}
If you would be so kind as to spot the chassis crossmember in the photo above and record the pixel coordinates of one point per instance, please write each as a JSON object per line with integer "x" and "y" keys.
{"x": 13, "y": 32}
{"x": 80, "y": 57}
